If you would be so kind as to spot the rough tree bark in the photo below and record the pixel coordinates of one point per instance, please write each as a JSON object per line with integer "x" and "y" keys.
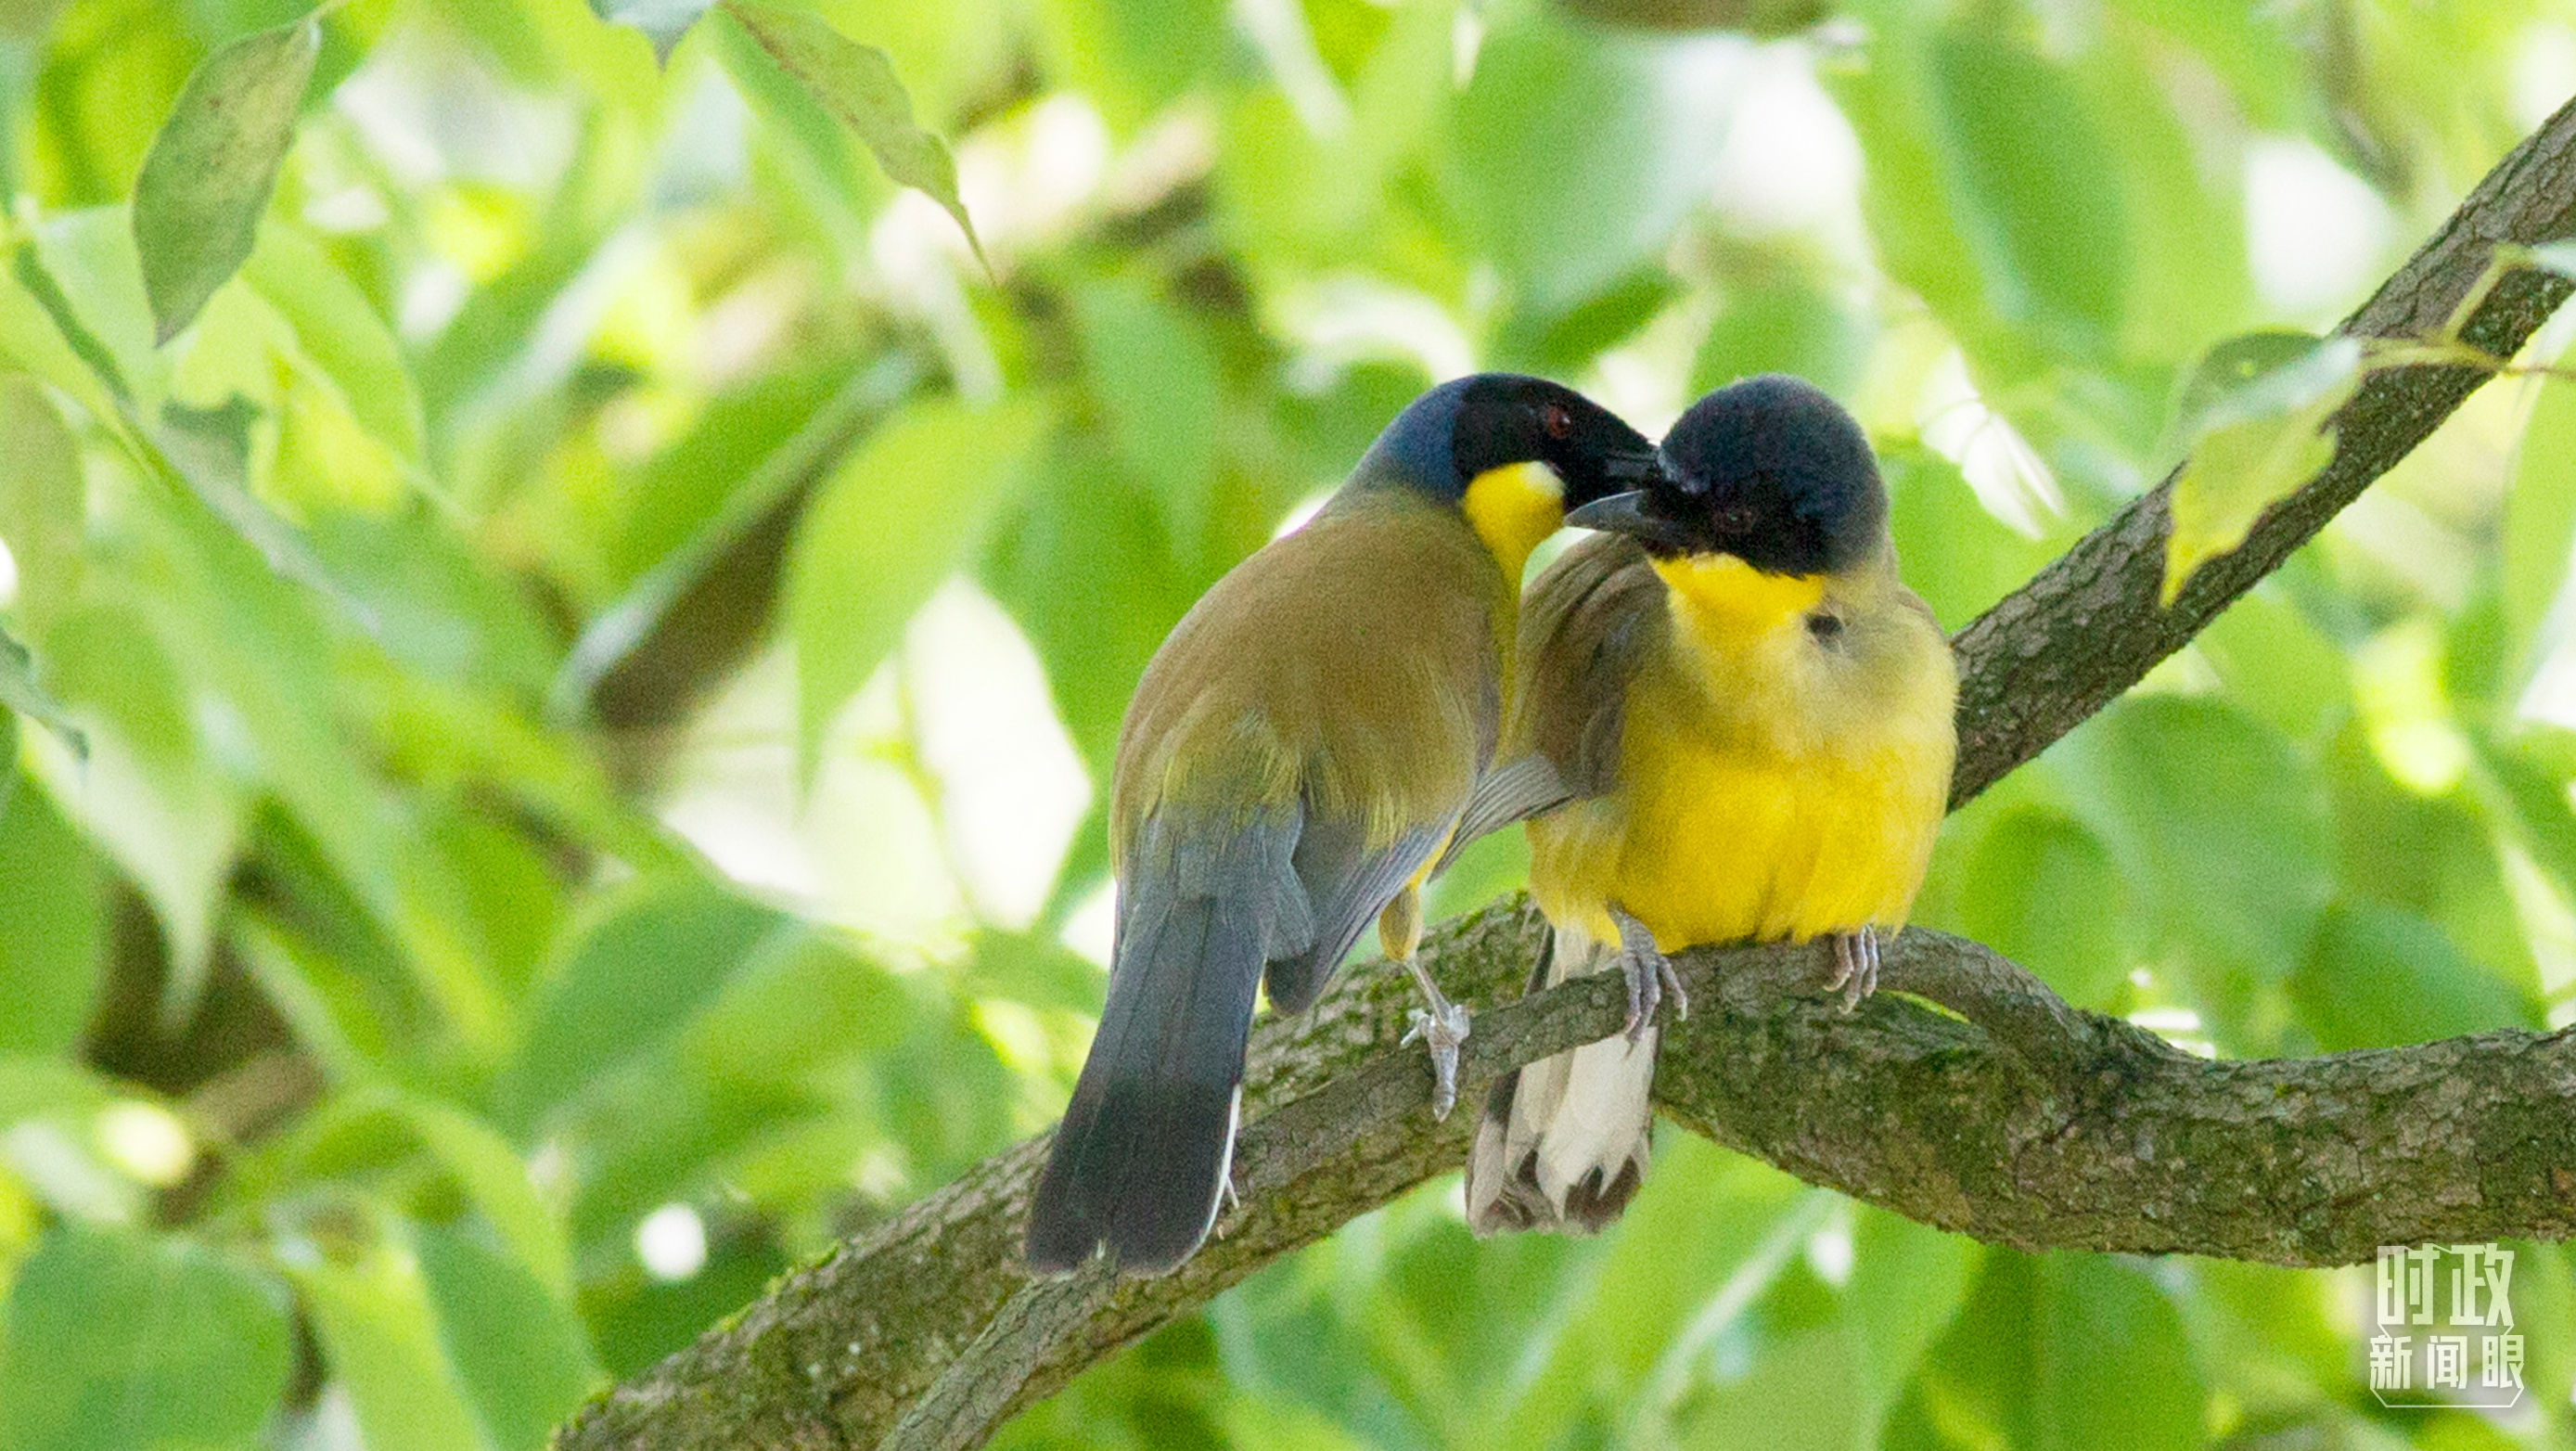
{"x": 2028, "y": 1123}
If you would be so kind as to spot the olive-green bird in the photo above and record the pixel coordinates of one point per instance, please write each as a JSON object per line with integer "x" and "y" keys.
{"x": 1297, "y": 753}
{"x": 1734, "y": 724}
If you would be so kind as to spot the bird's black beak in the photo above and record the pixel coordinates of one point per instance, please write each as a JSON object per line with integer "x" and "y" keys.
{"x": 1630, "y": 514}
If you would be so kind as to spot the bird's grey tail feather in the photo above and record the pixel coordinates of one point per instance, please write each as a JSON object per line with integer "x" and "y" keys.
{"x": 1563, "y": 1141}
{"x": 1142, "y": 1156}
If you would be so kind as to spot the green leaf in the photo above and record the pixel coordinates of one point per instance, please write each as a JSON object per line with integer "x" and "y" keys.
{"x": 2068, "y": 1352}
{"x": 2185, "y": 278}
{"x": 1845, "y": 1359}
{"x": 43, "y": 501}
{"x": 489, "y": 875}
{"x": 1709, "y": 1231}
{"x": 2041, "y": 890}
{"x": 50, "y": 924}
{"x": 2437, "y": 858}
{"x": 652, "y": 1133}
{"x": 50, "y": 1114}
{"x": 857, "y": 83}
{"x": 708, "y": 525}
{"x": 800, "y": 1002}
{"x": 2254, "y": 48}
{"x": 2111, "y": 1364}
{"x": 119, "y": 1341}
{"x": 635, "y": 974}
{"x": 2267, "y": 374}
{"x": 484, "y": 1165}
{"x": 436, "y": 604}
{"x": 1024, "y": 968}
{"x": 520, "y": 1351}
{"x": 20, "y": 692}
{"x": 336, "y": 1014}
{"x": 33, "y": 337}
{"x": 2030, "y": 178}
{"x": 2544, "y": 1293}
{"x": 1577, "y": 154}
{"x": 1960, "y": 559}
{"x": 663, "y": 22}
{"x": 706, "y": 474}
{"x": 1908, "y": 1281}
{"x": 1802, "y": 1365}
{"x": 259, "y": 661}
{"x": 1154, "y": 376}
{"x": 2278, "y": 665}
{"x": 147, "y": 791}
{"x": 2253, "y": 413}
{"x": 1762, "y": 19}
{"x": 2539, "y": 520}
{"x": 340, "y": 334}
{"x": 639, "y": 1321}
{"x": 33, "y": 1087}
{"x": 1086, "y": 570}
{"x": 1919, "y": 239}
{"x": 893, "y": 521}
{"x": 821, "y": 170}
{"x": 2381, "y": 978}
{"x": 1786, "y": 326}
{"x": 1990, "y": 191}
{"x": 84, "y": 269}
{"x": 370, "y": 1308}
{"x": 1566, "y": 342}
{"x": 2218, "y": 826}
{"x": 210, "y": 450}
{"x": 1132, "y": 57}
{"x": 27, "y": 19}
{"x": 206, "y": 180}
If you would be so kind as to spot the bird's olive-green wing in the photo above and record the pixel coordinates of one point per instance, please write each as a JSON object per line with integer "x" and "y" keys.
{"x": 1585, "y": 626}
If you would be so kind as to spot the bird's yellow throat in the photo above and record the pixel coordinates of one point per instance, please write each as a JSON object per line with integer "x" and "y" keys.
{"x": 1727, "y": 596}
{"x": 1512, "y": 509}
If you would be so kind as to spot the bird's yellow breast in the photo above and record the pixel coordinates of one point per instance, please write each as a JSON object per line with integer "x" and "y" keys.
{"x": 1770, "y": 786}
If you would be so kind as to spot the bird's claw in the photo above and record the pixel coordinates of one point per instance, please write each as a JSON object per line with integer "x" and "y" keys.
{"x": 1651, "y": 980}
{"x": 1441, "y": 1028}
{"x": 1855, "y": 965}
{"x": 1440, "y": 1025}
{"x": 1650, "y": 976}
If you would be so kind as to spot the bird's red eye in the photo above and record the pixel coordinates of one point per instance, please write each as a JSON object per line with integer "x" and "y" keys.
{"x": 1556, "y": 420}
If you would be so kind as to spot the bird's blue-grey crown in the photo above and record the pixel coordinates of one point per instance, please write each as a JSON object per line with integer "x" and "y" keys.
{"x": 1469, "y": 426}
{"x": 1768, "y": 469}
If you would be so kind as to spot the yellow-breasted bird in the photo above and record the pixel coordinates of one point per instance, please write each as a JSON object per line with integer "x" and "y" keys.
{"x": 1734, "y": 723}
{"x": 1298, "y": 751}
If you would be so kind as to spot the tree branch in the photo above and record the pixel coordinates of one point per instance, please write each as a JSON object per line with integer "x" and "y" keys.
{"x": 2030, "y": 1124}
{"x": 2058, "y": 649}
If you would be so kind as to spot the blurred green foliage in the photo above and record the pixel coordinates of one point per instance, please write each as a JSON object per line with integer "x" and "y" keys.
{"x": 559, "y": 724}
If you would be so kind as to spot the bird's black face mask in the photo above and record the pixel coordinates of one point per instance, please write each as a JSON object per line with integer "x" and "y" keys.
{"x": 1505, "y": 419}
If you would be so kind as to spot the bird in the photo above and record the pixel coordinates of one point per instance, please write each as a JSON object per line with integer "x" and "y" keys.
{"x": 1734, "y": 723}
{"x": 1296, "y": 755}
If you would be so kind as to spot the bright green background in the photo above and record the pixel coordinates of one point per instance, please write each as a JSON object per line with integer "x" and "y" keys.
{"x": 457, "y": 874}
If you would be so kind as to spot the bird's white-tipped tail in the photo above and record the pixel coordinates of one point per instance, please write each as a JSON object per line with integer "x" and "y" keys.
{"x": 1563, "y": 1142}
